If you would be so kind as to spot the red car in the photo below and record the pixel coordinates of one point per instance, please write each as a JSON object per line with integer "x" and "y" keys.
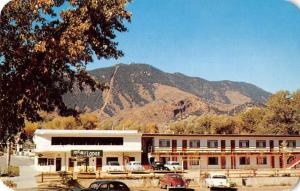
{"x": 172, "y": 180}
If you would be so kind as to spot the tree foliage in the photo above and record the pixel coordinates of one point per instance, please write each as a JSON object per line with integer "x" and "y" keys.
{"x": 45, "y": 47}
{"x": 280, "y": 116}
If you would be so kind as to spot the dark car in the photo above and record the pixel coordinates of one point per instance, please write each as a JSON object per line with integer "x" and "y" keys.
{"x": 172, "y": 180}
{"x": 158, "y": 166}
{"x": 107, "y": 185}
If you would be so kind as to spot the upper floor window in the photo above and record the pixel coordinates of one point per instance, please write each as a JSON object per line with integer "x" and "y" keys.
{"x": 87, "y": 141}
{"x": 244, "y": 143}
{"x": 261, "y": 144}
{"x": 194, "y": 143}
{"x": 212, "y": 144}
{"x": 164, "y": 143}
{"x": 291, "y": 143}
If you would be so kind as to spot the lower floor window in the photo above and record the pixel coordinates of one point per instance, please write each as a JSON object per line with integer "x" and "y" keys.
{"x": 261, "y": 160}
{"x": 111, "y": 159}
{"x": 194, "y": 161}
{"x": 244, "y": 160}
{"x": 45, "y": 161}
{"x": 213, "y": 161}
{"x": 83, "y": 162}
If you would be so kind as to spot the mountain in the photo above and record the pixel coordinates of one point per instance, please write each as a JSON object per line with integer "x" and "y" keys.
{"x": 144, "y": 93}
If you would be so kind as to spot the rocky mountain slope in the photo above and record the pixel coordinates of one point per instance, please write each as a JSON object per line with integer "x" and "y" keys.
{"x": 144, "y": 93}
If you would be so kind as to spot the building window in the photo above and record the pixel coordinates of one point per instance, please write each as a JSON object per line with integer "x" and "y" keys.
{"x": 42, "y": 161}
{"x": 87, "y": 140}
{"x": 213, "y": 161}
{"x": 194, "y": 143}
{"x": 45, "y": 161}
{"x": 194, "y": 161}
{"x": 244, "y": 160}
{"x": 164, "y": 143}
{"x": 261, "y": 160}
{"x": 111, "y": 159}
{"x": 261, "y": 144}
{"x": 212, "y": 144}
{"x": 83, "y": 162}
{"x": 244, "y": 143}
{"x": 291, "y": 143}
{"x": 51, "y": 161}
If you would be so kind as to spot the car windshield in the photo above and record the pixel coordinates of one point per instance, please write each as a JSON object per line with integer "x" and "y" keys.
{"x": 136, "y": 163}
{"x": 114, "y": 163}
{"x": 175, "y": 163}
{"x": 219, "y": 177}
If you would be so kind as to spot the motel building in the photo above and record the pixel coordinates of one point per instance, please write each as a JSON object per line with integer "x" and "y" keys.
{"x": 224, "y": 151}
{"x": 84, "y": 150}
{"x": 92, "y": 150}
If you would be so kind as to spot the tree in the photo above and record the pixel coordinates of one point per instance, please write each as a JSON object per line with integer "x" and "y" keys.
{"x": 30, "y": 128}
{"x": 250, "y": 120}
{"x": 45, "y": 47}
{"x": 281, "y": 113}
{"x": 88, "y": 120}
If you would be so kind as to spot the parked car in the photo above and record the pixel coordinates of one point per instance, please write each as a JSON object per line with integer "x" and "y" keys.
{"x": 105, "y": 185}
{"x": 173, "y": 165}
{"x": 158, "y": 165}
{"x": 114, "y": 166}
{"x": 134, "y": 166}
{"x": 172, "y": 180}
{"x": 217, "y": 180}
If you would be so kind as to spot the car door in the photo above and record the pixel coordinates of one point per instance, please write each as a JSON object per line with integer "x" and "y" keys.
{"x": 118, "y": 186}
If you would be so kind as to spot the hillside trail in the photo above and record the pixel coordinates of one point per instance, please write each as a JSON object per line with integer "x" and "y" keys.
{"x": 109, "y": 93}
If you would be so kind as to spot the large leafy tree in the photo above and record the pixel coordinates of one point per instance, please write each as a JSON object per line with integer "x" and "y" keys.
{"x": 45, "y": 46}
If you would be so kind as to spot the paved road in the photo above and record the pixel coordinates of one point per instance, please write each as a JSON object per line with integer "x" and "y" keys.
{"x": 26, "y": 180}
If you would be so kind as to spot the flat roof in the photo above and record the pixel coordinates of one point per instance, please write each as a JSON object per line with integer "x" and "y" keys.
{"x": 213, "y": 135}
{"x": 85, "y": 132}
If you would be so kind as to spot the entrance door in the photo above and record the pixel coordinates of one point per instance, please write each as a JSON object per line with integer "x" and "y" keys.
{"x": 271, "y": 145}
{"x": 98, "y": 164}
{"x": 58, "y": 164}
{"x": 71, "y": 164}
{"x": 232, "y": 143}
{"x": 272, "y": 162}
{"x": 223, "y": 145}
{"x": 184, "y": 145}
{"x": 174, "y": 146}
{"x": 223, "y": 162}
{"x": 280, "y": 161}
{"x": 185, "y": 163}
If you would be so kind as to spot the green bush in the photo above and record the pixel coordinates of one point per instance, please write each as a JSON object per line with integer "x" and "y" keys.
{"x": 10, "y": 171}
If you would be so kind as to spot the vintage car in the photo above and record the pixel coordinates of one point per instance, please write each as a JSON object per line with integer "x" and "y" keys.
{"x": 217, "y": 180}
{"x": 105, "y": 185}
{"x": 172, "y": 180}
{"x": 158, "y": 165}
{"x": 134, "y": 166}
{"x": 173, "y": 165}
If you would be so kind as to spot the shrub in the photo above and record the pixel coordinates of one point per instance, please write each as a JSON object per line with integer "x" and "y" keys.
{"x": 10, "y": 183}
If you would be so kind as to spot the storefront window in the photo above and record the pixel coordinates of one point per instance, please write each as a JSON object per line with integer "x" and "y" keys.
{"x": 42, "y": 161}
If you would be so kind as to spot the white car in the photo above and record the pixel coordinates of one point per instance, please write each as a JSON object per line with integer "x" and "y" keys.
{"x": 114, "y": 166}
{"x": 134, "y": 166}
{"x": 173, "y": 165}
{"x": 217, "y": 180}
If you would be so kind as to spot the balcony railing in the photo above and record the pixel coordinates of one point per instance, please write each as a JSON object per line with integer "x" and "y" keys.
{"x": 221, "y": 150}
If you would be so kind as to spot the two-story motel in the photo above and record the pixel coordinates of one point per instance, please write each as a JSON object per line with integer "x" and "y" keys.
{"x": 75, "y": 150}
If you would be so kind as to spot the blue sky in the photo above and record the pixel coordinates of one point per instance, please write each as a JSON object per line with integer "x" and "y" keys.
{"x": 256, "y": 41}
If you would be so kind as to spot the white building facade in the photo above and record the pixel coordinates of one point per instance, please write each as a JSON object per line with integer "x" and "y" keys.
{"x": 84, "y": 150}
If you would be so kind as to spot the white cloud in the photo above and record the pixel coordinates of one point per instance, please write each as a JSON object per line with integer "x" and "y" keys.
{"x": 295, "y": 2}
{"x": 2, "y": 3}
